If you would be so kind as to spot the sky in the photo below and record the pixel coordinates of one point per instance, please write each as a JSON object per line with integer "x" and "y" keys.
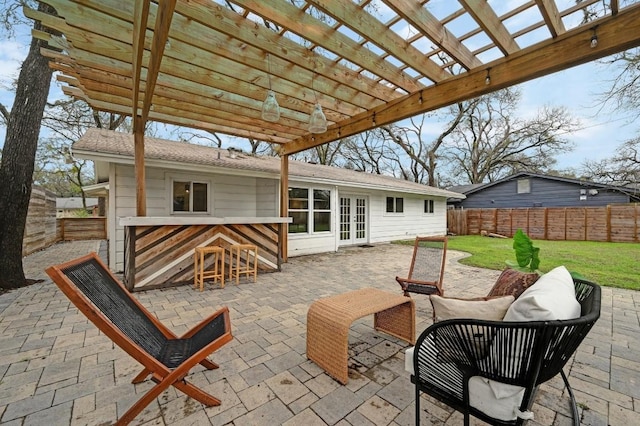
{"x": 579, "y": 89}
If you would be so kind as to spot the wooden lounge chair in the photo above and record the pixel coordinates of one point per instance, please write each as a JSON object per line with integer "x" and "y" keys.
{"x": 98, "y": 294}
{"x": 427, "y": 267}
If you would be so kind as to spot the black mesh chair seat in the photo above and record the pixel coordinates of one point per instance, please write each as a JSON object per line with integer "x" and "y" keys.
{"x": 167, "y": 358}
{"x": 427, "y": 267}
{"x": 526, "y": 354}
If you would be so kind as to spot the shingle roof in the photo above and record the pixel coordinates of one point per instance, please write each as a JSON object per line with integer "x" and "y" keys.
{"x": 519, "y": 175}
{"x": 74, "y": 202}
{"x": 463, "y": 189}
{"x": 118, "y": 146}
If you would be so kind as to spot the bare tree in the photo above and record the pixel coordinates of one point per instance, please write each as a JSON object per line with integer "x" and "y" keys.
{"x": 207, "y": 138}
{"x": 326, "y": 154}
{"x": 624, "y": 91}
{"x": 423, "y": 155}
{"x": 16, "y": 169}
{"x": 66, "y": 120}
{"x": 367, "y": 152}
{"x": 491, "y": 142}
{"x": 623, "y": 168}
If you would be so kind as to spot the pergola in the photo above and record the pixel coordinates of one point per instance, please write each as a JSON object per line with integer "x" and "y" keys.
{"x": 208, "y": 64}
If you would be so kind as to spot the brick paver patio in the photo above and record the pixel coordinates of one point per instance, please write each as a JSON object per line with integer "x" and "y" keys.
{"x": 57, "y": 369}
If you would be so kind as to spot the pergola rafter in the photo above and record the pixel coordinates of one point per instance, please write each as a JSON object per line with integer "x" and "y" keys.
{"x": 208, "y": 64}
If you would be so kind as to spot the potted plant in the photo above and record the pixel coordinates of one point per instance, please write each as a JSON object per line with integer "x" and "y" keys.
{"x": 519, "y": 275}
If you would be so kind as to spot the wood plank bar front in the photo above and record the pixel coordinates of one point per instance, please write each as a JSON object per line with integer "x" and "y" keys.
{"x": 159, "y": 250}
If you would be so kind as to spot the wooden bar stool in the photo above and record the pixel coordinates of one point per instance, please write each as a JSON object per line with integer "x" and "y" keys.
{"x": 240, "y": 253}
{"x": 216, "y": 271}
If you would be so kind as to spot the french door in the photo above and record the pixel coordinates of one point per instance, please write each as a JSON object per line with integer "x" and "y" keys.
{"x": 353, "y": 220}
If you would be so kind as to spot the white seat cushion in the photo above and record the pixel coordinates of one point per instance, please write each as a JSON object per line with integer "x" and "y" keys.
{"x": 499, "y": 402}
{"x": 408, "y": 360}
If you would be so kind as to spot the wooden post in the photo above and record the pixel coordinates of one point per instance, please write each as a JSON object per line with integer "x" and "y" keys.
{"x": 129, "y": 257}
{"x": 284, "y": 205}
{"x": 635, "y": 228}
{"x": 586, "y": 213}
{"x": 495, "y": 220}
{"x": 511, "y": 222}
{"x": 138, "y": 138}
{"x": 608, "y": 222}
{"x": 546, "y": 223}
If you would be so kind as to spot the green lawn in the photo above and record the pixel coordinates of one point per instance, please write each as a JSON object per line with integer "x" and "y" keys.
{"x": 608, "y": 264}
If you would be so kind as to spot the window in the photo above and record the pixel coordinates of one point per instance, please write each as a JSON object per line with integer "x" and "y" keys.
{"x": 524, "y": 186}
{"x": 299, "y": 210}
{"x": 190, "y": 197}
{"x": 321, "y": 210}
{"x": 309, "y": 214}
{"x": 395, "y": 205}
{"x": 428, "y": 206}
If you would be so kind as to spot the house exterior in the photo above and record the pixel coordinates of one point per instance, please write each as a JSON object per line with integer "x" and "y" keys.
{"x": 535, "y": 190}
{"x": 73, "y": 207}
{"x": 330, "y": 207}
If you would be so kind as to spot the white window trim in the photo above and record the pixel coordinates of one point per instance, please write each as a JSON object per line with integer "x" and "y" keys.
{"x": 172, "y": 177}
{"x": 518, "y": 184}
{"x": 310, "y": 211}
{"x": 395, "y": 211}
{"x": 433, "y": 207}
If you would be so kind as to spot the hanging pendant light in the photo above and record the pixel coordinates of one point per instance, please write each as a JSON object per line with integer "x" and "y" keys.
{"x": 270, "y": 107}
{"x": 317, "y": 120}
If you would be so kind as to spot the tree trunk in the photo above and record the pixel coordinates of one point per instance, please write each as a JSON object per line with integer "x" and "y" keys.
{"x": 18, "y": 156}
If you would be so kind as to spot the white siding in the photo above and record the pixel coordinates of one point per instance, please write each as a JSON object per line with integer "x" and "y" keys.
{"x": 311, "y": 244}
{"x": 302, "y": 244}
{"x": 229, "y": 196}
{"x": 251, "y": 196}
{"x": 125, "y": 201}
{"x": 413, "y": 221}
{"x": 234, "y": 196}
{"x": 382, "y": 226}
{"x": 267, "y": 198}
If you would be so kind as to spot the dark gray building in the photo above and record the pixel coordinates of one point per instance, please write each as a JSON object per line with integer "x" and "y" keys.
{"x": 534, "y": 190}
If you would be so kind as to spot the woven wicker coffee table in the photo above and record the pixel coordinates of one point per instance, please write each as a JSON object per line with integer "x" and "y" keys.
{"x": 329, "y": 319}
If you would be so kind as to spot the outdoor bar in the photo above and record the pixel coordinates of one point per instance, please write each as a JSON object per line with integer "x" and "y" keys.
{"x": 159, "y": 250}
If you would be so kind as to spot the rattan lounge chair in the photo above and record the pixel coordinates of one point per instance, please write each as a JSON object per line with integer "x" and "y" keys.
{"x": 98, "y": 294}
{"x": 525, "y": 354}
{"x": 427, "y": 267}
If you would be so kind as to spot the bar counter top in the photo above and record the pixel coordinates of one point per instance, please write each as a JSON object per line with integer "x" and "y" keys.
{"x": 197, "y": 220}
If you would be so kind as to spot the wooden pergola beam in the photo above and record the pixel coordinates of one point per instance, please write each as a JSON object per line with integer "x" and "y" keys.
{"x": 357, "y": 18}
{"x": 160, "y": 36}
{"x": 492, "y": 25}
{"x": 551, "y": 17}
{"x": 420, "y": 18}
{"x": 572, "y": 48}
{"x": 283, "y": 51}
{"x": 290, "y": 17}
{"x": 140, "y": 16}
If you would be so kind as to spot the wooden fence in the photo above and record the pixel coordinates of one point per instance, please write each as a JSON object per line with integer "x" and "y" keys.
{"x": 43, "y": 229}
{"x": 82, "y": 228}
{"x": 40, "y": 229}
{"x": 614, "y": 223}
